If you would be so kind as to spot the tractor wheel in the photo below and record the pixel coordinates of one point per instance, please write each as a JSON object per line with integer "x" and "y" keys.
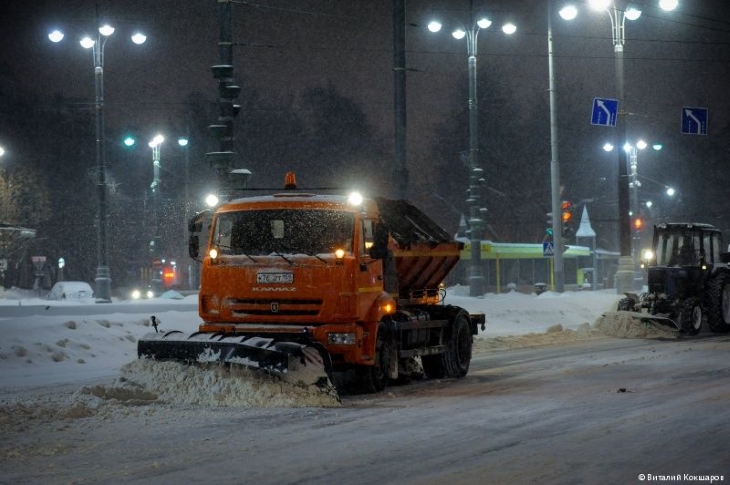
{"x": 690, "y": 317}
{"x": 718, "y": 303}
{"x": 375, "y": 378}
{"x": 625, "y": 305}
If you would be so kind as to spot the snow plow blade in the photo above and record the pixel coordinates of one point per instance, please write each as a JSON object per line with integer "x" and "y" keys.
{"x": 294, "y": 362}
{"x": 663, "y": 323}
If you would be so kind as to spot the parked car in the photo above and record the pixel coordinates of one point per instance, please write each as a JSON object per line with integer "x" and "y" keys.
{"x": 71, "y": 290}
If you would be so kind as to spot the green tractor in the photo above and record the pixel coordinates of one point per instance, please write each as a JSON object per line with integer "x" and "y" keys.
{"x": 688, "y": 280}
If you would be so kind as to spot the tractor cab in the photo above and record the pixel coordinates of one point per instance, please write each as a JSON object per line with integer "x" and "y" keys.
{"x": 686, "y": 245}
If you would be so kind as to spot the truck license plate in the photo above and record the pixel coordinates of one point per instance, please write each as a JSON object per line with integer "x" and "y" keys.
{"x": 275, "y": 278}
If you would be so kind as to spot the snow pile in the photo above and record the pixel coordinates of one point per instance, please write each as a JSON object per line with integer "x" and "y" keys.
{"x": 216, "y": 385}
{"x": 624, "y": 325}
{"x": 554, "y": 335}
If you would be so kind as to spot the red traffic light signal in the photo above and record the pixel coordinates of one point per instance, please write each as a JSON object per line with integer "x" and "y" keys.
{"x": 567, "y": 212}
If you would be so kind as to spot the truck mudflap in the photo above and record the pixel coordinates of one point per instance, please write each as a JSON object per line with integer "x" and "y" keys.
{"x": 298, "y": 363}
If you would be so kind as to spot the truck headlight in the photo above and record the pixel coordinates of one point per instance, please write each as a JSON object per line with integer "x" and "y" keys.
{"x": 341, "y": 338}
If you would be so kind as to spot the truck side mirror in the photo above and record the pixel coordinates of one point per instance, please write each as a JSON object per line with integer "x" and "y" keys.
{"x": 195, "y": 224}
{"x": 194, "y": 246}
{"x": 379, "y": 249}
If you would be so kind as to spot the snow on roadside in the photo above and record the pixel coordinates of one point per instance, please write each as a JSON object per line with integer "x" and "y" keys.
{"x": 42, "y": 352}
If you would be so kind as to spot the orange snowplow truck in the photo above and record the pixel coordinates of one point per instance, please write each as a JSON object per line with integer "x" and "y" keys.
{"x": 341, "y": 284}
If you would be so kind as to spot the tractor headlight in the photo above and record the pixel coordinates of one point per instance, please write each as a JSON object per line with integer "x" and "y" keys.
{"x": 341, "y": 338}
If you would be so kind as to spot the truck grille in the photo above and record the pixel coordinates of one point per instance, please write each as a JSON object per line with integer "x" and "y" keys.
{"x": 272, "y": 306}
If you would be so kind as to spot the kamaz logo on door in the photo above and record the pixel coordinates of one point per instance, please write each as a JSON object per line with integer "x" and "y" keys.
{"x": 275, "y": 307}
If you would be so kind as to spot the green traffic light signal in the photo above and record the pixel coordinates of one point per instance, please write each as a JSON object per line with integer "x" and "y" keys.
{"x": 129, "y": 141}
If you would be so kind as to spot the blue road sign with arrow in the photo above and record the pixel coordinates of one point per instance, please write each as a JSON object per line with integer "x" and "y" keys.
{"x": 604, "y": 112}
{"x": 694, "y": 121}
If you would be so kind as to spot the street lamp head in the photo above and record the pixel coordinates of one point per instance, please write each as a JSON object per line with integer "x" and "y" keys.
{"x": 459, "y": 34}
{"x": 668, "y": 5}
{"x": 87, "y": 42}
{"x": 2, "y": 151}
{"x": 55, "y": 36}
{"x": 106, "y": 30}
{"x": 641, "y": 144}
{"x": 484, "y": 23}
{"x": 599, "y": 4}
{"x": 608, "y": 147}
{"x": 434, "y": 26}
{"x": 509, "y": 28}
{"x": 632, "y": 13}
{"x": 183, "y": 142}
{"x": 568, "y": 12}
{"x": 671, "y": 191}
{"x": 139, "y": 38}
{"x": 156, "y": 141}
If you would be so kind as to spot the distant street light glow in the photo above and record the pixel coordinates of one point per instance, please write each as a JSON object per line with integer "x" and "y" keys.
{"x": 599, "y": 4}
{"x": 569, "y": 12}
{"x": 509, "y": 28}
{"x": 484, "y": 23}
{"x": 434, "y": 26}
{"x": 56, "y": 36}
{"x": 633, "y": 13}
{"x": 106, "y": 30}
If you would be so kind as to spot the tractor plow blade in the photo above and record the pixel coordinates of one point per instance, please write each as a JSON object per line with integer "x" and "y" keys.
{"x": 293, "y": 362}
{"x": 659, "y": 321}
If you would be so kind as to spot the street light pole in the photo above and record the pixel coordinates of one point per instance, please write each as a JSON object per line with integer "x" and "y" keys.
{"x": 103, "y": 274}
{"x": 155, "y": 188}
{"x": 476, "y": 174}
{"x": 619, "y": 11}
{"x": 556, "y": 202}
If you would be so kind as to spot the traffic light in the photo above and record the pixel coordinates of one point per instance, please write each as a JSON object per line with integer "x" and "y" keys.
{"x": 638, "y": 223}
{"x": 567, "y": 217}
{"x": 549, "y": 227}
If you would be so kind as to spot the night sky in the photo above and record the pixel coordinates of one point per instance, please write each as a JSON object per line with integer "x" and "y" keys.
{"x": 673, "y": 60}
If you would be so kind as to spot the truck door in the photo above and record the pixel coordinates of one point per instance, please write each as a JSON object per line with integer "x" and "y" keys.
{"x": 370, "y": 272}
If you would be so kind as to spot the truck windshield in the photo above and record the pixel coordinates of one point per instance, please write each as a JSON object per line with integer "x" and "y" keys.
{"x": 296, "y": 231}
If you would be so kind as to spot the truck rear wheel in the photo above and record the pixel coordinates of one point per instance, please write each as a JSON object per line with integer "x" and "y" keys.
{"x": 455, "y": 360}
{"x": 718, "y": 303}
{"x": 691, "y": 316}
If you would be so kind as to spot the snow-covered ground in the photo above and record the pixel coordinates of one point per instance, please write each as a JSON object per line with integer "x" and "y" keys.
{"x": 77, "y": 406}
{"x": 46, "y": 343}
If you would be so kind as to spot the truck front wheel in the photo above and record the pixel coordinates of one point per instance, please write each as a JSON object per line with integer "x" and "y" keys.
{"x": 375, "y": 378}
